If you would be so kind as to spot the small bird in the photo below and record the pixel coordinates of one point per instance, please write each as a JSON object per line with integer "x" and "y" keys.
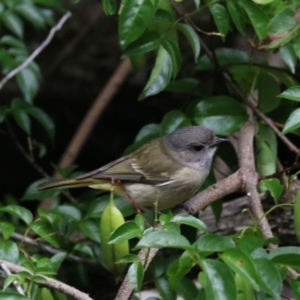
{"x": 167, "y": 170}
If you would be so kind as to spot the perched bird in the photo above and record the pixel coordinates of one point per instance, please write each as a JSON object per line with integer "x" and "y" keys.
{"x": 168, "y": 170}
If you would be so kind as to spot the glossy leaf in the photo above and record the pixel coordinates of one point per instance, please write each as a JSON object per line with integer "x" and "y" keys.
{"x": 28, "y": 83}
{"x": 162, "y": 238}
{"x": 6, "y": 229}
{"x": 160, "y": 75}
{"x": 287, "y": 256}
{"x": 214, "y": 243}
{"x": 292, "y": 93}
{"x": 9, "y": 251}
{"x": 221, "y": 17}
{"x": 191, "y": 37}
{"x": 274, "y": 186}
{"x": 109, "y": 7}
{"x": 222, "y": 114}
{"x": 125, "y": 232}
{"x": 257, "y": 17}
{"x": 31, "y": 13}
{"x": 136, "y": 275}
{"x": 186, "y": 289}
{"x": 134, "y": 18}
{"x": 293, "y": 122}
{"x": 174, "y": 52}
{"x": 13, "y": 22}
{"x": 219, "y": 283}
{"x": 20, "y": 115}
{"x": 242, "y": 264}
{"x": 18, "y": 211}
{"x": 173, "y": 120}
{"x": 90, "y": 229}
{"x": 237, "y": 15}
{"x": 12, "y": 296}
{"x": 68, "y": 211}
{"x": 289, "y": 56}
{"x": 190, "y": 220}
{"x": 164, "y": 289}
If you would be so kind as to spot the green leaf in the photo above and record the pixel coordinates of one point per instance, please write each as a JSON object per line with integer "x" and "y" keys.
{"x": 84, "y": 248}
{"x": 28, "y": 83}
{"x": 134, "y": 18}
{"x": 191, "y": 221}
{"x": 149, "y": 41}
{"x": 31, "y": 13}
{"x": 186, "y": 289}
{"x": 18, "y": 211}
{"x": 269, "y": 277}
{"x": 164, "y": 289}
{"x": 257, "y": 18}
{"x": 9, "y": 251}
{"x": 274, "y": 186}
{"x": 221, "y": 18}
{"x": 296, "y": 215}
{"x": 173, "y": 120}
{"x": 162, "y": 238}
{"x": 12, "y": 41}
{"x": 289, "y": 56}
{"x": 125, "y": 232}
{"x": 174, "y": 52}
{"x": 43, "y": 119}
{"x": 295, "y": 286}
{"x": 136, "y": 275}
{"x": 293, "y": 122}
{"x": 68, "y": 211}
{"x": 12, "y": 296}
{"x": 222, "y": 114}
{"x": 287, "y": 256}
{"x": 214, "y": 243}
{"x": 237, "y": 15}
{"x": 160, "y": 75}
{"x": 46, "y": 232}
{"x": 6, "y": 229}
{"x": 109, "y": 7}
{"x": 13, "y": 23}
{"x": 191, "y": 36}
{"x": 292, "y": 93}
{"x": 90, "y": 229}
{"x": 21, "y": 118}
{"x": 219, "y": 283}
{"x": 242, "y": 264}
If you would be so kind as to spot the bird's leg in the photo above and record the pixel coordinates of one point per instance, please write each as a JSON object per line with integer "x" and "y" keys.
{"x": 130, "y": 199}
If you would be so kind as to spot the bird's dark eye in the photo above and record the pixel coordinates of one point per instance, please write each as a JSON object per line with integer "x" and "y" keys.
{"x": 198, "y": 148}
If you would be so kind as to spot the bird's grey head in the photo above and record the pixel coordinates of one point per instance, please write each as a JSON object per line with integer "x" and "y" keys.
{"x": 194, "y": 146}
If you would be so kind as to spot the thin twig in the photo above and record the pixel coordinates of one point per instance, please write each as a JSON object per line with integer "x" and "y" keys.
{"x": 51, "y": 283}
{"x": 8, "y": 273}
{"x": 37, "y": 51}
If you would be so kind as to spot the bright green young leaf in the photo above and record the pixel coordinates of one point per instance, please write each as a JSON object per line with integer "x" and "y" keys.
{"x": 292, "y": 93}
{"x": 244, "y": 289}
{"x": 219, "y": 283}
{"x": 136, "y": 275}
{"x": 293, "y": 122}
{"x": 109, "y": 7}
{"x": 237, "y": 15}
{"x": 9, "y": 251}
{"x": 241, "y": 264}
{"x": 222, "y": 114}
{"x": 257, "y": 17}
{"x": 296, "y": 215}
{"x": 274, "y": 186}
{"x": 125, "y": 232}
{"x": 249, "y": 241}
{"x": 191, "y": 36}
{"x": 269, "y": 277}
{"x": 214, "y": 243}
{"x": 287, "y": 256}
{"x": 289, "y": 56}
{"x": 160, "y": 75}
{"x": 46, "y": 232}
{"x": 173, "y": 120}
{"x": 13, "y": 22}
{"x": 134, "y": 18}
{"x": 163, "y": 239}
{"x": 18, "y": 211}
{"x": 12, "y": 296}
{"x": 221, "y": 17}
{"x": 6, "y": 229}
{"x": 164, "y": 289}
{"x": 31, "y": 13}
{"x": 190, "y": 220}
{"x": 28, "y": 83}
{"x": 147, "y": 42}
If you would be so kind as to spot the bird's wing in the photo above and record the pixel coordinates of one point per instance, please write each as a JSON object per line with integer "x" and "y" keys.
{"x": 149, "y": 164}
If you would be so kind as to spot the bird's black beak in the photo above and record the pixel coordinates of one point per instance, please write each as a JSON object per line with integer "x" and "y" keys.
{"x": 219, "y": 141}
